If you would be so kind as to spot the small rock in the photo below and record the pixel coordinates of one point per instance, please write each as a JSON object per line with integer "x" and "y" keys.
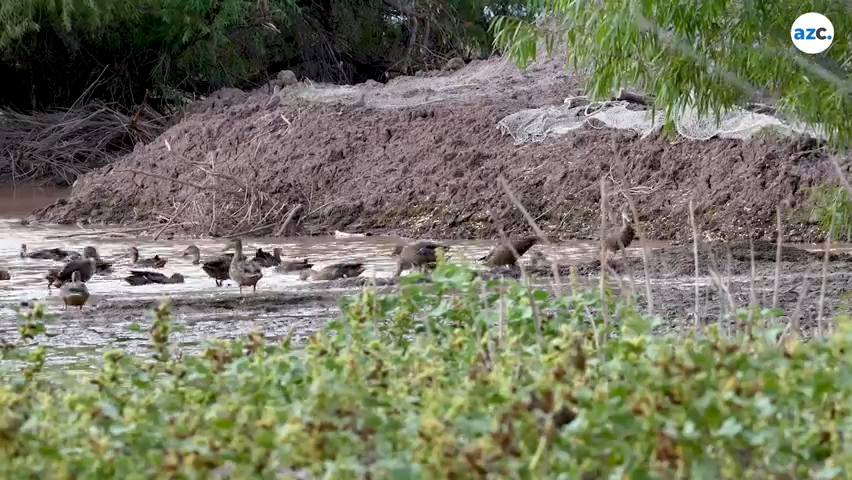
{"x": 287, "y": 78}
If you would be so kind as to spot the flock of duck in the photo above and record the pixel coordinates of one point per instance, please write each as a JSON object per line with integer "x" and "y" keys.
{"x": 72, "y": 277}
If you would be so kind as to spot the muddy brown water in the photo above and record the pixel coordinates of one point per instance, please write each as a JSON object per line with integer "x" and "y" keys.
{"x": 203, "y": 311}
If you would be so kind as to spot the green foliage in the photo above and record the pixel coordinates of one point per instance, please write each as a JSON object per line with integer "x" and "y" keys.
{"x": 57, "y": 50}
{"x": 832, "y": 208}
{"x": 456, "y": 378}
{"x": 711, "y": 55}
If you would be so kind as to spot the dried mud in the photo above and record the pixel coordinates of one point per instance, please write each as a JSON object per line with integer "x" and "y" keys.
{"x": 421, "y": 157}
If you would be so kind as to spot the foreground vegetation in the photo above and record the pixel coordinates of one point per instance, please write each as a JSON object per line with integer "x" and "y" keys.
{"x": 450, "y": 379}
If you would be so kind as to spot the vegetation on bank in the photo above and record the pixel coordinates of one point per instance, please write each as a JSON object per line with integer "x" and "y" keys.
{"x": 457, "y": 378}
{"x": 54, "y": 52}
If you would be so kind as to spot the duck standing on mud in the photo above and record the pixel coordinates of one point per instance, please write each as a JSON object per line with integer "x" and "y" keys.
{"x": 502, "y": 255}
{"x": 155, "y": 262}
{"x": 246, "y": 273}
{"x": 215, "y": 268}
{"x": 75, "y": 292}
{"x": 57, "y": 254}
{"x": 620, "y": 238}
{"x": 421, "y": 254}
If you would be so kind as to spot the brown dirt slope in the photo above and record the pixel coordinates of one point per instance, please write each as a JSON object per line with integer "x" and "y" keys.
{"x": 421, "y": 157}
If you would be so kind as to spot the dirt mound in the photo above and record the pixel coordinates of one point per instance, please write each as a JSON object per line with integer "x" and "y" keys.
{"x": 421, "y": 157}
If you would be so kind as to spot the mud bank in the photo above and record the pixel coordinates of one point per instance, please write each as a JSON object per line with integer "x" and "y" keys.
{"x": 421, "y": 157}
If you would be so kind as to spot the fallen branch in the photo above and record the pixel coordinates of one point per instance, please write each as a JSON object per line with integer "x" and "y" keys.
{"x": 103, "y": 232}
{"x": 283, "y": 227}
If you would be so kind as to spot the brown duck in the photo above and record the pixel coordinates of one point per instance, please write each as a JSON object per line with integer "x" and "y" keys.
{"x": 421, "y": 254}
{"x": 620, "y": 237}
{"x": 215, "y": 268}
{"x": 84, "y": 266}
{"x": 143, "y": 277}
{"x": 4, "y": 275}
{"x": 294, "y": 266}
{"x": 155, "y": 262}
{"x": 245, "y": 272}
{"x": 75, "y": 292}
{"x": 264, "y": 259}
{"x": 57, "y": 254}
{"x": 89, "y": 264}
{"x": 334, "y": 271}
{"x": 502, "y": 255}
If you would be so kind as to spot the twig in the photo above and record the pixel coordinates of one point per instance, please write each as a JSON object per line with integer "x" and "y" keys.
{"x": 283, "y": 227}
{"x": 640, "y": 230}
{"x": 602, "y": 280}
{"x": 820, "y": 326}
{"x": 103, "y": 232}
{"x": 777, "y": 259}
{"x": 752, "y": 297}
{"x": 793, "y": 321}
{"x": 695, "y": 260}
{"x": 532, "y": 223}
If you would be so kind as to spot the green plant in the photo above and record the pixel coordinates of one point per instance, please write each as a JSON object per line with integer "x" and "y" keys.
{"x": 710, "y": 55}
{"x": 832, "y": 208}
{"x": 457, "y": 378}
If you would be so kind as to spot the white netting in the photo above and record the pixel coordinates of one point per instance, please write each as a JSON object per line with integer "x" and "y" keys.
{"x": 537, "y": 124}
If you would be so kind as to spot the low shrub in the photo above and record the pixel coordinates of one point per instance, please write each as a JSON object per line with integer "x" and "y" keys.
{"x": 457, "y": 378}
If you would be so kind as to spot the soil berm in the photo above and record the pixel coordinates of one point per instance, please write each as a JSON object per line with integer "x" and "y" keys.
{"x": 421, "y": 156}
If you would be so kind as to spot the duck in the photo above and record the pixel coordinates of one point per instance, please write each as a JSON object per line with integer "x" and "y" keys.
{"x": 101, "y": 267}
{"x": 243, "y": 271}
{"x": 215, "y": 268}
{"x": 194, "y": 252}
{"x": 75, "y": 292}
{"x": 57, "y": 254}
{"x": 294, "y": 266}
{"x": 4, "y": 275}
{"x": 142, "y": 277}
{"x": 422, "y": 254}
{"x": 620, "y": 237}
{"x": 84, "y": 266}
{"x": 155, "y": 262}
{"x": 334, "y": 271}
{"x": 264, "y": 259}
{"x": 502, "y": 255}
